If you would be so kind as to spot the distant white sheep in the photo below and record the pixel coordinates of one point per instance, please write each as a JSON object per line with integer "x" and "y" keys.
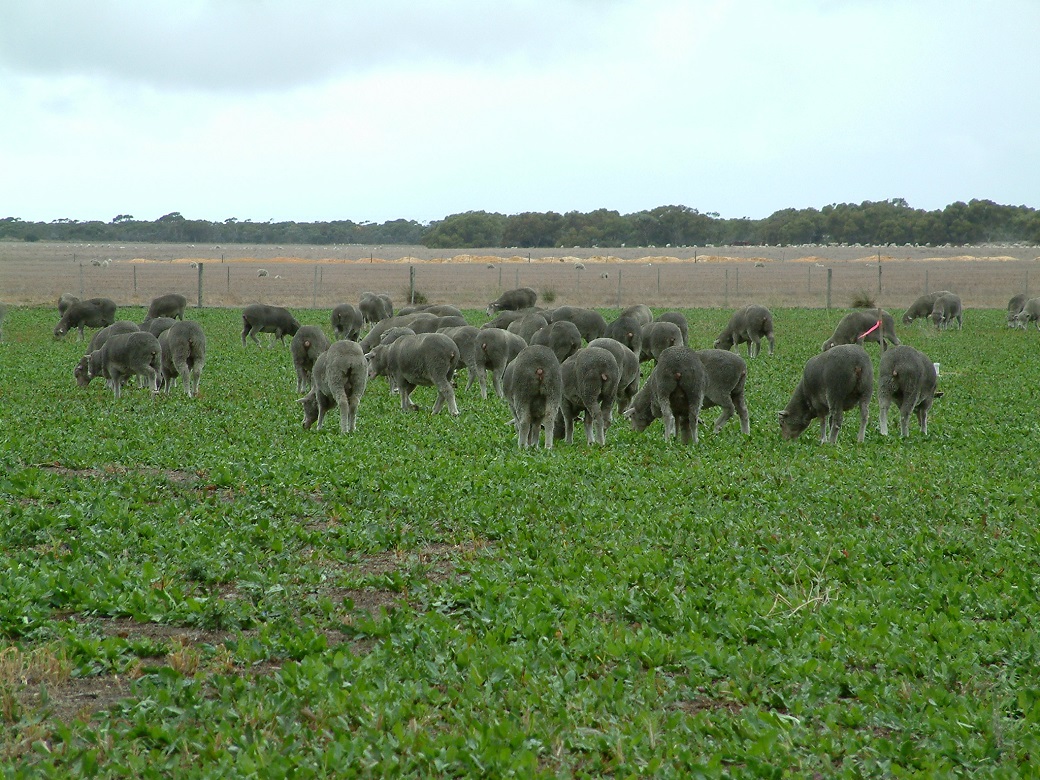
{"x": 262, "y": 272}
{"x": 604, "y": 275}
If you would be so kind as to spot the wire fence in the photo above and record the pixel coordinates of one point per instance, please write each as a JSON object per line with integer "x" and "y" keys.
{"x": 680, "y": 284}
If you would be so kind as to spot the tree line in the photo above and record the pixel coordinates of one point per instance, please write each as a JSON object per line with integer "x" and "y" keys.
{"x": 870, "y": 222}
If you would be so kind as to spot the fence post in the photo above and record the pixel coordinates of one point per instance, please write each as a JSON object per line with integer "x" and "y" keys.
{"x": 879, "y": 275}
{"x": 500, "y": 278}
{"x": 411, "y": 285}
{"x": 658, "y": 281}
{"x": 830, "y": 272}
{"x": 200, "y": 284}
{"x": 228, "y": 277}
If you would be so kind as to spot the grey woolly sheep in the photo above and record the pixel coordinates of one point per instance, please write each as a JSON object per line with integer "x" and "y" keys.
{"x": 679, "y": 320}
{"x": 520, "y": 298}
{"x": 562, "y": 337}
{"x": 347, "y": 321}
{"x": 528, "y": 325}
{"x": 183, "y": 347}
{"x": 170, "y": 305}
{"x": 748, "y": 326}
{"x": 65, "y": 300}
{"x": 947, "y": 310}
{"x": 674, "y": 392}
{"x": 832, "y": 383}
{"x": 504, "y": 319}
{"x": 861, "y": 325}
{"x": 157, "y": 325}
{"x": 493, "y": 351}
{"x": 1014, "y": 307}
{"x": 628, "y": 367}
{"x": 91, "y": 313}
{"x": 308, "y": 342}
{"x": 1030, "y": 313}
{"x": 533, "y": 387}
{"x": 922, "y": 306}
{"x": 907, "y": 377}
{"x": 465, "y": 338}
{"x": 725, "y": 374}
{"x": 590, "y": 323}
{"x": 628, "y": 330}
{"x": 657, "y": 337}
{"x": 640, "y": 312}
{"x": 427, "y": 359}
{"x": 122, "y": 356}
{"x": 261, "y": 318}
{"x": 375, "y": 307}
{"x": 590, "y": 383}
{"x": 339, "y": 377}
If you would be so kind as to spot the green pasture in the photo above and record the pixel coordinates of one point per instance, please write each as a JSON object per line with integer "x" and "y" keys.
{"x": 200, "y": 588}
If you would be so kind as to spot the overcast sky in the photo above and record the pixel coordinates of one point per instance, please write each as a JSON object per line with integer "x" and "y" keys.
{"x": 326, "y": 109}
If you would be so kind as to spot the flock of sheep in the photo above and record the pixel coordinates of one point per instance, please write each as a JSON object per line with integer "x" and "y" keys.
{"x": 552, "y": 366}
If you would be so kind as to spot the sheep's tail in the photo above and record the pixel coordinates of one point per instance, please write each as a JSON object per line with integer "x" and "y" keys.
{"x": 540, "y": 374}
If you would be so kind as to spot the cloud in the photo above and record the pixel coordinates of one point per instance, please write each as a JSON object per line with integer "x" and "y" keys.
{"x": 235, "y": 45}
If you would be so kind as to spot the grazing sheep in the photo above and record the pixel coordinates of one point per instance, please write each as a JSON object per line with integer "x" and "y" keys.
{"x": 640, "y": 312}
{"x": 562, "y": 337}
{"x": 513, "y": 300}
{"x": 390, "y": 335}
{"x": 425, "y": 322}
{"x": 157, "y": 325}
{"x": 907, "y": 376}
{"x": 628, "y": 366}
{"x": 528, "y": 325}
{"x": 504, "y": 319}
{"x": 347, "y": 321}
{"x": 628, "y": 330}
{"x": 1030, "y": 313}
{"x": 261, "y": 318}
{"x": 674, "y": 392}
{"x": 465, "y": 338}
{"x": 183, "y": 355}
{"x": 657, "y": 337}
{"x": 170, "y": 305}
{"x": 725, "y": 374}
{"x": 590, "y": 323}
{"x": 340, "y": 376}
{"x": 375, "y": 334}
{"x": 862, "y": 325}
{"x": 375, "y": 307}
{"x": 1014, "y": 307}
{"x": 65, "y": 300}
{"x": 832, "y": 383}
{"x": 947, "y": 310}
{"x": 91, "y": 313}
{"x": 533, "y": 387}
{"x": 590, "y": 384}
{"x": 679, "y": 320}
{"x": 97, "y": 341}
{"x": 122, "y": 356}
{"x": 308, "y": 342}
{"x": 440, "y": 309}
{"x": 427, "y": 359}
{"x": 922, "y": 307}
{"x": 748, "y": 326}
{"x": 493, "y": 350}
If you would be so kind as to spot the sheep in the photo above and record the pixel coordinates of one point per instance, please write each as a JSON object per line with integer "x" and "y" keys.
{"x": 91, "y": 313}
{"x": 528, "y": 325}
{"x": 157, "y": 326}
{"x": 375, "y": 334}
{"x": 261, "y": 318}
{"x": 947, "y": 310}
{"x": 1015, "y": 305}
{"x": 123, "y": 356}
{"x": 628, "y": 367}
{"x": 589, "y": 322}
{"x": 832, "y": 383}
{"x": 513, "y": 300}
{"x": 97, "y": 341}
{"x": 504, "y": 319}
{"x": 375, "y": 307}
{"x": 562, "y": 337}
{"x": 725, "y": 374}
{"x": 183, "y": 355}
{"x": 427, "y": 359}
{"x": 169, "y": 305}
{"x": 628, "y": 330}
{"x": 65, "y": 300}
{"x": 641, "y": 312}
{"x": 347, "y": 321}
{"x": 424, "y": 322}
{"x": 922, "y": 306}
{"x": 95, "y": 263}
{"x": 440, "y": 309}
{"x": 748, "y": 326}
{"x": 533, "y": 387}
{"x": 308, "y": 342}
{"x": 1030, "y": 313}
{"x": 679, "y": 320}
{"x": 590, "y": 384}
{"x": 906, "y": 376}
{"x": 493, "y": 350}
{"x": 657, "y": 337}
{"x": 862, "y": 325}
{"x": 674, "y": 392}
{"x": 340, "y": 376}
{"x": 465, "y": 338}
{"x": 261, "y": 273}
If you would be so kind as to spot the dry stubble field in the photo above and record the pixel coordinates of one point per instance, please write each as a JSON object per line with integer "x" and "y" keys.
{"x": 689, "y": 277}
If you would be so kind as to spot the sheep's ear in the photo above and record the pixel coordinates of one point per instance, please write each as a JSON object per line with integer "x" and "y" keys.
{"x": 938, "y": 394}
{"x": 782, "y": 414}
{"x": 627, "y": 414}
